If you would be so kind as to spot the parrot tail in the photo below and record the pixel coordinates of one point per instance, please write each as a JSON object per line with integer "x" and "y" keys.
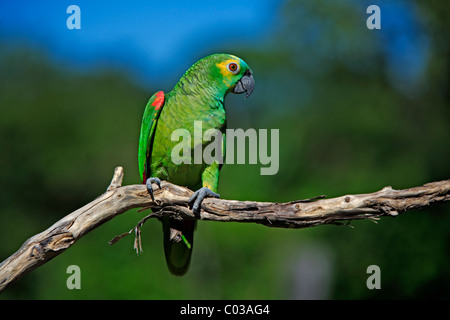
{"x": 178, "y": 244}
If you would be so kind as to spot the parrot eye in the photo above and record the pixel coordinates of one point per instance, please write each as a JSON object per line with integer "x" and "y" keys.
{"x": 233, "y": 67}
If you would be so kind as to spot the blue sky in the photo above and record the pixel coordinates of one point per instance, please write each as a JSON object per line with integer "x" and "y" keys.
{"x": 151, "y": 37}
{"x": 154, "y": 40}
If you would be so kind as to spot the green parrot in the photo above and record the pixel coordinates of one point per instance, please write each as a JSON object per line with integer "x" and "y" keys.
{"x": 198, "y": 98}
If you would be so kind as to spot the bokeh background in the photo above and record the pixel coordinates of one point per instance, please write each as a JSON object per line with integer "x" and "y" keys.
{"x": 357, "y": 110}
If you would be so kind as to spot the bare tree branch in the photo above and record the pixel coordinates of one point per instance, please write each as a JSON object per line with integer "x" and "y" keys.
{"x": 172, "y": 200}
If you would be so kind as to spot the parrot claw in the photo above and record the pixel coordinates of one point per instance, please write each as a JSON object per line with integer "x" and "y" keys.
{"x": 195, "y": 202}
{"x": 148, "y": 184}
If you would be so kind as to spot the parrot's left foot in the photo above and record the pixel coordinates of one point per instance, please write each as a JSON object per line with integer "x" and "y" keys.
{"x": 195, "y": 202}
{"x": 148, "y": 184}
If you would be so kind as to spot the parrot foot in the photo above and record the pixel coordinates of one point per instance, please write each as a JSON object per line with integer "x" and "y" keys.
{"x": 148, "y": 184}
{"x": 195, "y": 202}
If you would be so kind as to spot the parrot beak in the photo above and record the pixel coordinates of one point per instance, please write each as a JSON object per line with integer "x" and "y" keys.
{"x": 246, "y": 84}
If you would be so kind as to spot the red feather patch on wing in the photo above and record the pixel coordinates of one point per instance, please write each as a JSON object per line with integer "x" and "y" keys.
{"x": 159, "y": 101}
{"x": 144, "y": 177}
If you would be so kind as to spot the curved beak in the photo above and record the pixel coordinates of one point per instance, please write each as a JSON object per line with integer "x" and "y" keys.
{"x": 246, "y": 84}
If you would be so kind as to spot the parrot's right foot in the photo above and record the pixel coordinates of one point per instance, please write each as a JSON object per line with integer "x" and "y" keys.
{"x": 195, "y": 202}
{"x": 148, "y": 184}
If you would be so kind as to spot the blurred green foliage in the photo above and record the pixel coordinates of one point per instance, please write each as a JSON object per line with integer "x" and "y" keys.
{"x": 345, "y": 127}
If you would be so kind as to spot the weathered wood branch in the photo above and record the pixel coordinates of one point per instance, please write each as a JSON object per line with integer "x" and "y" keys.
{"x": 172, "y": 200}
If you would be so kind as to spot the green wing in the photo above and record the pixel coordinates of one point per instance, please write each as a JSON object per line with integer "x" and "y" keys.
{"x": 148, "y": 129}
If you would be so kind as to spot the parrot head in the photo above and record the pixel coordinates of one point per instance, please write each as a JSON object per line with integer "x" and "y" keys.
{"x": 235, "y": 74}
{"x": 224, "y": 73}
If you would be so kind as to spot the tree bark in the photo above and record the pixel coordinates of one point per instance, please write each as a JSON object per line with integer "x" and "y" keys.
{"x": 172, "y": 200}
